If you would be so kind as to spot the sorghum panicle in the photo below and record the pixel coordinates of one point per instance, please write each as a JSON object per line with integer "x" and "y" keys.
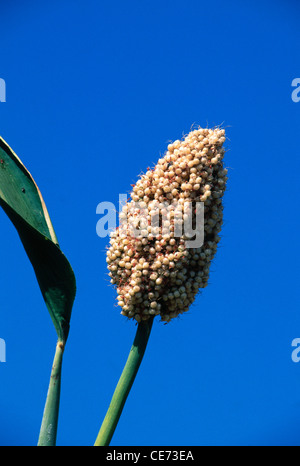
{"x": 155, "y": 273}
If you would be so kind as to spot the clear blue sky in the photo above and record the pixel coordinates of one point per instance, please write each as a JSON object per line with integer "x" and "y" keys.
{"x": 95, "y": 90}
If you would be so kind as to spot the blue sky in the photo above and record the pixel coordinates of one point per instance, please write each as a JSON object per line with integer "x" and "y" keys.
{"x": 95, "y": 90}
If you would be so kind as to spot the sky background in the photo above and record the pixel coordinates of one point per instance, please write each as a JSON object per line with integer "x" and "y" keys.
{"x": 95, "y": 91}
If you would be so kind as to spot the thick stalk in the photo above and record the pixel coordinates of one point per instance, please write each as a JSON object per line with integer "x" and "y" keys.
{"x": 125, "y": 383}
{"x": 48, "y": 430}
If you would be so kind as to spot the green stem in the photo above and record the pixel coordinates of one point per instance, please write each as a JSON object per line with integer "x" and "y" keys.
{"x": 48, "y": 430}
{"x": 125, "y": 383}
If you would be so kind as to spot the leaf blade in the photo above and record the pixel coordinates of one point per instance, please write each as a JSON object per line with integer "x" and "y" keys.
{"x": 22, "y": 201}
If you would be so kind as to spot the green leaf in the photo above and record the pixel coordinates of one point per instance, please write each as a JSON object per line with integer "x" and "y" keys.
{"x": 23, "y": 203}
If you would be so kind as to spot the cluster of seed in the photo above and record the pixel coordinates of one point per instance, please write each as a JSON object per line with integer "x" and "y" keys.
{"x": 155, "y": 273}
